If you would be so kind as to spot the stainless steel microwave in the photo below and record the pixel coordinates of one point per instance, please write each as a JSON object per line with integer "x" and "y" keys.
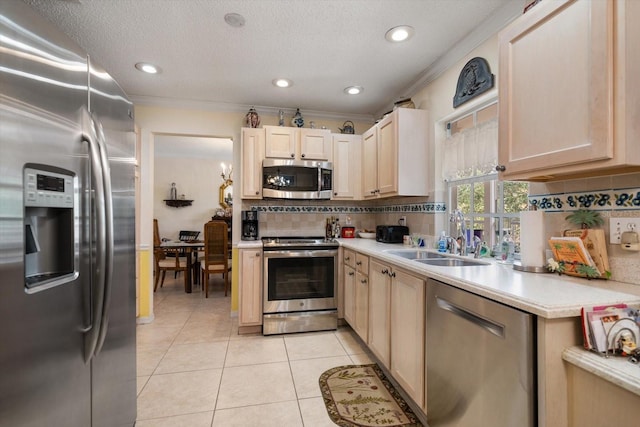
{"x": 296, "y": 179}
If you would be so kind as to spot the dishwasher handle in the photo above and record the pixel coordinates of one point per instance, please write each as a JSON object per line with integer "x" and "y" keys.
{"x": 492, "y": 327}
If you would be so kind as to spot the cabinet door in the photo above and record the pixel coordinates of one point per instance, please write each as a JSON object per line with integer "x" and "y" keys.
{"x": 556, "y": 87}
{"x": 370, "y": 164}
{"x": 346, "y": 167}
{"x": 408, "y": 334}
{"x": 379, "y": 304}
{"x": 361, "y": 306}
{"x": 315, "y": 144}
{"x": 252, "y": 156}
{"x": 349, "y": 281}
{"x": 388, "y": 156}
{"x": 250, "y": 289}
{"x": 280, "y": 142}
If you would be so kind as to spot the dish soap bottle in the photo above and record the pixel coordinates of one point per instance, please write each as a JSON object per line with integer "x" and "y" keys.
{"x": 442, "y": 243}
{"x": 508, "y": 248}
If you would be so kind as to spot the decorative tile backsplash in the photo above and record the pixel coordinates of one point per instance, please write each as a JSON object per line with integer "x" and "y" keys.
{"x": 618, "y": 200}
{"x": 429, "y": 207}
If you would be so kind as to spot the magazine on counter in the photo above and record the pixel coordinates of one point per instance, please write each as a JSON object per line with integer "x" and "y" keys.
{"x": 603, "y": 325}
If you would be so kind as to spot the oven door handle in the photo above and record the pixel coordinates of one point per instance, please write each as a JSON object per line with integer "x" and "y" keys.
{"x": 303, "y": 253}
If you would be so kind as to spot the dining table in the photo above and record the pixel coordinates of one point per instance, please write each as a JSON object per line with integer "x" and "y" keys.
{"x": 190, "y": 248}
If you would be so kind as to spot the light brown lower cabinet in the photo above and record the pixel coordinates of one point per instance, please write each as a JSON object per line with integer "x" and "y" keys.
{"x": 250, "y": 289}
{"x": 596, "y": 402}
{"x": 355, "y": 280}
{"x": 361, "y": 306}
{"x": 397, "y": 325}
{"x": 379, "y": 313}
{"x": 408, "y": 334}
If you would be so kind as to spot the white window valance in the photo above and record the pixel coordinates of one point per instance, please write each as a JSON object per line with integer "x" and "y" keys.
{"x": 471, "y": 152}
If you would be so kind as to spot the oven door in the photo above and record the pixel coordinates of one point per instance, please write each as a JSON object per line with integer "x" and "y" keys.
{"x": 300, "y": 280}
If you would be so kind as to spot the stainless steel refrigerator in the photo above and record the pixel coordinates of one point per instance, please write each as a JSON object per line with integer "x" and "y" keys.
{"x": 67, "y": 257}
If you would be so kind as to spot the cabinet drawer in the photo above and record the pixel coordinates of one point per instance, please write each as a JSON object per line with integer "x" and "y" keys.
{"x": 362, "y": 263}
{"x": 349, "y": 258}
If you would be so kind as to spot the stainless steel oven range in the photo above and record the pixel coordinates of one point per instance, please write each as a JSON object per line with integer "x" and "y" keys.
{"x": 300, "y": 284}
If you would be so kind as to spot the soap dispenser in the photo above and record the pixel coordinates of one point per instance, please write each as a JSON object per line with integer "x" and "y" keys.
{"x": 442, "y": 243}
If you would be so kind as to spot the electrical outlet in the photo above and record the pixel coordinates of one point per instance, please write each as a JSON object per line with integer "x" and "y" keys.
{"x": 402, "y": 220}
{"x": 617, "y": 226}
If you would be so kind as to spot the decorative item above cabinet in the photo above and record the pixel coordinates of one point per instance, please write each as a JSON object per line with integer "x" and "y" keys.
{"x": 569, "y": 93}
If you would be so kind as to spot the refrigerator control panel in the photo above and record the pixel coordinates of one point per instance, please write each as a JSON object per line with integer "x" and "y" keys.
{"x": 47, "y": 189}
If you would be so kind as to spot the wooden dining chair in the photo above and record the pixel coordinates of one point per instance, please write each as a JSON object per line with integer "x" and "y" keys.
{"x": 166, "y": 259}
{"x": 216, "y": 258}
{"x": 156, "y": 234}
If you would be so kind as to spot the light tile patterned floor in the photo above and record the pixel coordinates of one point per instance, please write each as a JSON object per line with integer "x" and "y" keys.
{"x": 194, "y": 370}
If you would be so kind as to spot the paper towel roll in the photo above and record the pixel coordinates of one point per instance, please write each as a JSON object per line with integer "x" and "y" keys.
{"x": 533, "y": 241}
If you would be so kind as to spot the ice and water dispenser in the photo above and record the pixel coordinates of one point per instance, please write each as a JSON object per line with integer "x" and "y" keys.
{"x": 50, "y": 235}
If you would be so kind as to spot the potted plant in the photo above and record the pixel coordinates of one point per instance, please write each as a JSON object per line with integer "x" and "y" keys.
{"x": 585, "y": 218}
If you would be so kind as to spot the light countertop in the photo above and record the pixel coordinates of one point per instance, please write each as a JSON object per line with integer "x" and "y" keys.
{"x": 544, "y": 294}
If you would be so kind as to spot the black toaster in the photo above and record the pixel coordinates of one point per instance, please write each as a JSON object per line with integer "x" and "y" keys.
{"x": 391, "y": 233}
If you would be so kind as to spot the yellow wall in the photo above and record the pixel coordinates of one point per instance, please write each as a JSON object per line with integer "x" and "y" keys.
{"x": 234, "y": 280}
{"x": 145, "y": 277}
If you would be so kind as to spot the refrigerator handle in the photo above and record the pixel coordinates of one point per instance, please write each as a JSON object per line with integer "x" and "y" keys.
{"x": 108, "y": 238}
{"x": 96, "y": 281}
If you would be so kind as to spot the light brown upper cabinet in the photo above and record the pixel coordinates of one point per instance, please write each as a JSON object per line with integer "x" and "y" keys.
{"x": 297, "y": 143}
{"x": 346, "y": 167}
{"x": 569, "y": 91}
{"x": 252, "y": 156}
{"x": 394, "y": 155}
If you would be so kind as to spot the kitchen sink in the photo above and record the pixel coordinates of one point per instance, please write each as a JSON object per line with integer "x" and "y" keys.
{"x": 450, "y": 262}
{"x": 416, "y": 254}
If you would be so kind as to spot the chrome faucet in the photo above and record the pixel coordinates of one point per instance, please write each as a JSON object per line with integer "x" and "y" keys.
{"x": 477, "y": 244}
{"x": 458, "y": 218}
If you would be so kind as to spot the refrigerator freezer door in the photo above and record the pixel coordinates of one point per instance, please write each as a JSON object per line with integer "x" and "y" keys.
{"x": 43, "y": 377}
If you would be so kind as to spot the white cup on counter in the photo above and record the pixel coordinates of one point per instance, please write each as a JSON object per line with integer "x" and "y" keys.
{"x": 406, "y": 240}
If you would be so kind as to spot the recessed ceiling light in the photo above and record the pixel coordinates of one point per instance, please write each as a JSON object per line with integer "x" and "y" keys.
{"x": 282, "y": 82}
{"x": 147, "y": 68}
{"x": 234, "y": 19}
{"x": 399, "y": 34}
{"x": 353, "y": 90}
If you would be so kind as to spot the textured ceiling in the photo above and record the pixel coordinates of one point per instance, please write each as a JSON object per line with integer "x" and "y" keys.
{"x": 322, "y": 45}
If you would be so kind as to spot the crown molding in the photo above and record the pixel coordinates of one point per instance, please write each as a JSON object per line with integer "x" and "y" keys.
{"x": 487, "y": 29}
{"x": 243, "y": 108}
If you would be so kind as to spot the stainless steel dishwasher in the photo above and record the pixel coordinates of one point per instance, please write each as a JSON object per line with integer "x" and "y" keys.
{"x": 480, "y": 361}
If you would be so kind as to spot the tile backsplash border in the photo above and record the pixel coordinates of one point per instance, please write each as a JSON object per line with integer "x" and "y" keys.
{"x": 428, "y": 207}
{"x": 623, "y": 199}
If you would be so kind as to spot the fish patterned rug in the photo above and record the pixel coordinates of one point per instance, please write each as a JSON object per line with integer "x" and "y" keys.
{"x": 361, "y": 396}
